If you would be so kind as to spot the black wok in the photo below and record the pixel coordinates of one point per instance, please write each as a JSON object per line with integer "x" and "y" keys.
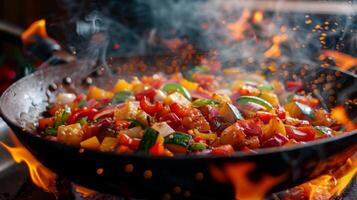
{"x": 191, "y": 174}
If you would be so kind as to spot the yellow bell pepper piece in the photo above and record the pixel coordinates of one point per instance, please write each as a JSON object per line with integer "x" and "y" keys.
{"x": 90, "y": 143}
{"x": 98, "y": 93}
{"x": 122, "y": 85}
{"x": 108, "y": 144}
{"x": 188, "y": 84}
{"x": 221, "y": 98}
{"x": 274, "y": 126}
{"x": 270, "y": 97}
{"x": 71, "y": 134}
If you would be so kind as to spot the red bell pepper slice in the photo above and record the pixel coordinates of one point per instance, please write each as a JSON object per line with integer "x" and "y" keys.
{"x": 223, "y": 150}
{"x": 150, "y": 94}
{"x": 179, "y": 110}
{"x": 84, "y": 112}
{"x": 276, "y": 140}
{"x": 134, "y": 144}
{"x": 149, "y": 108}
{"x": 281, "y": 112}
{"x": 294, "y": 85}
{"x": 301, "y": 134}
{"x": 123, "y": 139}
{"x": 265, "y": 116}
{"x": 157, "y": 149}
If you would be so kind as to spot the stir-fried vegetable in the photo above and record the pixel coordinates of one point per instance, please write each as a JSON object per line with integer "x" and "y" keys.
{"x": 195, "y": 114}
{"x": 245, "y": 99}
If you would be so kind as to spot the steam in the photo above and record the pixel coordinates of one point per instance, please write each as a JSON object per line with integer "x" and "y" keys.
{"x": 146, "y": 27}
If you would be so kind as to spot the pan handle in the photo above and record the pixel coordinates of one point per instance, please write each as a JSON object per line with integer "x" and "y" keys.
{"x": 44, "y": 49}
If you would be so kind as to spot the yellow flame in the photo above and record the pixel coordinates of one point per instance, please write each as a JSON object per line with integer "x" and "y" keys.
{"x": 238, "y": 27}
{"x": 36, "y": 28}
{"x": 274, "y": 51}
{"x": 40, "y": 175}
{"x": 258, "y": 17}
{"x": 339, "y": 113}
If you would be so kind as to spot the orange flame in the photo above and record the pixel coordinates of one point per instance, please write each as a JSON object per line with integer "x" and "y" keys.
{"x": 238, "y": 27}
{"x": 328, "y": 186}
{"x": 85, "y": 192}
{"x": 343, "y": 61}
{"x": 237, "y": 174}
{"x": 338, "y": 113}
{"x": 258, "y": 17}
{"x": 36, "y": 28}
{"x": 274, "y": 51}
{"x": 40, "y": 175}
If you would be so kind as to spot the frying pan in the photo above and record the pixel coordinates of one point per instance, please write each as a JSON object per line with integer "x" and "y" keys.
{"x": 143, "y": 176}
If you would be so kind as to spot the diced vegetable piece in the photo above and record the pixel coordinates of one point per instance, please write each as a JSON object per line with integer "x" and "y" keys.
{"x": 122, "y": 85}
{"x": 51, "y": 131}
{"x": 207, "y": 136}
{"x": 230, "y": 113}
{"x": 265, "y": 116}
{"x": 245, "y": 99}
{"x": 71, "y": 134}
{"x": 323, "y": 131}
{"x": 106, "y": 112}
{"x": 158, "y": 148}
{"x": 177, "y": 98}
{"x": 179, "y": 110}
{"x": 294, "y": 85}
{"x": 198, "y": 146}
{"x": 250, "y": 109}
{"x": 136, "y": 132}
{"x": 306, "y": 110}
{"x": 82, "y": 103}
{"x": 149, "y": 108}
{"x": 61, "y": 116}
{"x": 108, "y": 144}
{"x": 270, "y": 97}
{"x": 148, "y": 140}
{"x": 82, "y": 121}
{"x": 178, "y": 142}
{"x": 160, "y": 96}
{"x": 221, "y": 98}
{"x": 223, "y": 150}
{"x": 188, "y": 84}
{"x": 142, "y": 119}
{"x": 90, "y": 143}
{"x": 163, "y": 128}
{"x": 275, "y": 141}
{"x": 171, "y": 119}
{"x": 128, "y": 111}
{"x": 298, "y": 110}
{"x": 251, "y": 127}
{"x": 301, "y": 133}
{"x": 203, "y": 102}
{"x": 150, "y": 94}
{"x": 124, "y": 139}
{"x": 98, "y": 93}
{"x": 121, "y": 97}
{"x": 274, "y": 126}
{"x": 233, "y": 135}
{"x": 266, "y": 87}
{"x": 46, "y": 122}
{"x": 174, "y": 87}
{"x": 84, "y": 112}
{"x": 65, "y": 98}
